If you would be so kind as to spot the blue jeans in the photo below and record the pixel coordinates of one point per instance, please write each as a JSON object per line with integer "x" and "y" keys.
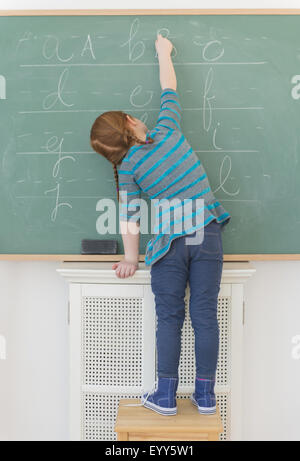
{"x": 200, "y": 265}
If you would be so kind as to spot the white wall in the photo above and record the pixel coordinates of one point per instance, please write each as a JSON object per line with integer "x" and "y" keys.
{"x": 33, "y": 317}
{"x": 34, "y": 376}
{"x": 271, "y": 374}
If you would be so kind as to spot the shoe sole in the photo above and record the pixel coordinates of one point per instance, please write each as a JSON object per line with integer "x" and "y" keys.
{"x": 160, "y": 410}
{"x": 203, "y": 410}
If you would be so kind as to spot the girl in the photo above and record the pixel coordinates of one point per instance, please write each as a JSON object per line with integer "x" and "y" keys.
{"x": 162, "y": 164}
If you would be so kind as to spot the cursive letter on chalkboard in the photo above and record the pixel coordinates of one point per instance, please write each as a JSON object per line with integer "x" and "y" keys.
{"x": 55, "y": 49}
{"x": 206, "y": 100}
{"x": 133, "y": 31}
{"x": 214, "y": 138}
{"x": 223, "y": 180}
{"x": 52, "y": 98}
{"x": 211, "y": 44}
{"x": 135, "y": 92}
{"x": 57, "y": 203}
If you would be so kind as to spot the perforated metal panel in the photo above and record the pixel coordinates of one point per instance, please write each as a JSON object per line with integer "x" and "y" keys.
{"x": 112, "y": 335}
{"x": 112, "y": 340}
{"x": 99, "y": 415}
{"x": 224, "y": 315}
{"x": 223, "y": 400}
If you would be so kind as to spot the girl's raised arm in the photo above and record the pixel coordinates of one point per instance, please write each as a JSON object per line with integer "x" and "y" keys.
{"x": 167, "y": 74}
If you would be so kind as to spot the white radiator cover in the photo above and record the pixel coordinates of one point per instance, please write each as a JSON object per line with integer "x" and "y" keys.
{"x": 112, "y": 346}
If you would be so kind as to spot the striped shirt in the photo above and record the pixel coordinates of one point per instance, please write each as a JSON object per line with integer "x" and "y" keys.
{"x": 169, "y": 172}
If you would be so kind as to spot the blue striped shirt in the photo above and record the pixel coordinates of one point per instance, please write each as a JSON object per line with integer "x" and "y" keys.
{"x": 169, "y": 172}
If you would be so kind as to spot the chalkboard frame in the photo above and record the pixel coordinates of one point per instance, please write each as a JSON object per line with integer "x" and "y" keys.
{"x": 118, "y": 12}
{"x": 140, "y": 12}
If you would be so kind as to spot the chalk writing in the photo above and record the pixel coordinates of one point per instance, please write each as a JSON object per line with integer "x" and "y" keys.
{"x": 137, "y": 49}
{"x": 226, "y": 160}
{"x": 55, "y": 145}
{"x": 207, "y": 118}
{"x": 51, "y": 49}
{"x": 135, "y": 92}
{"x": 88, "y": 47}
{"x": 58, "y": 204}
{"x": 52, "y": 98}
{"x": 214, "y": 138}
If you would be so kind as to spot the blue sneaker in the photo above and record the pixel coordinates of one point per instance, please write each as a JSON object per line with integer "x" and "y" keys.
{"x": 163, "y": 399}
{"x": 204, "y": 397}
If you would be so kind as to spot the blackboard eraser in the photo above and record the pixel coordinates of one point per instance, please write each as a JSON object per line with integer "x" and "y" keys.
{"x": 98, "y": 247}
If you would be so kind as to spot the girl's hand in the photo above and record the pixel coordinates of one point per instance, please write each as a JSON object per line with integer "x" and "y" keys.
{"x": 163, "y": 45}
{"x": 125, "y": 269}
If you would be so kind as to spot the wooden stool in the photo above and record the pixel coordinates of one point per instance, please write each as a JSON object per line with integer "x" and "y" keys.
{"x": 140, "y": 423}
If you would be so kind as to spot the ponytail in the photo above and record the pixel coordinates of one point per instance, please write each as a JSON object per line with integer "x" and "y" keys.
{"x": 116, "y": 180}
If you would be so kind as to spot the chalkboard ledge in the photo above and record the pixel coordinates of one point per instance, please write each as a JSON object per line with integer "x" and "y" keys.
{"x": 118, "y": 257}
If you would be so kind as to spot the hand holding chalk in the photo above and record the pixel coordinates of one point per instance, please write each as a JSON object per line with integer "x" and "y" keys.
{"x": 163, "y": 45}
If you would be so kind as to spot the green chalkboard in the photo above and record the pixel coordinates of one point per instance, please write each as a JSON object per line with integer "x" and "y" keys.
{"x": 239, "y": 82}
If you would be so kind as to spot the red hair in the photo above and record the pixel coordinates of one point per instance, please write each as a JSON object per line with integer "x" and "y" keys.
{"x": 111, "y": 137}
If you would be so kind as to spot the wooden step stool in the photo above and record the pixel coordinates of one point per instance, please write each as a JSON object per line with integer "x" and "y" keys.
{"x": 140, "y": 423}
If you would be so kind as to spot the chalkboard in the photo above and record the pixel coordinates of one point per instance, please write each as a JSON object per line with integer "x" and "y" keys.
{"x": 239, "y": 82}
